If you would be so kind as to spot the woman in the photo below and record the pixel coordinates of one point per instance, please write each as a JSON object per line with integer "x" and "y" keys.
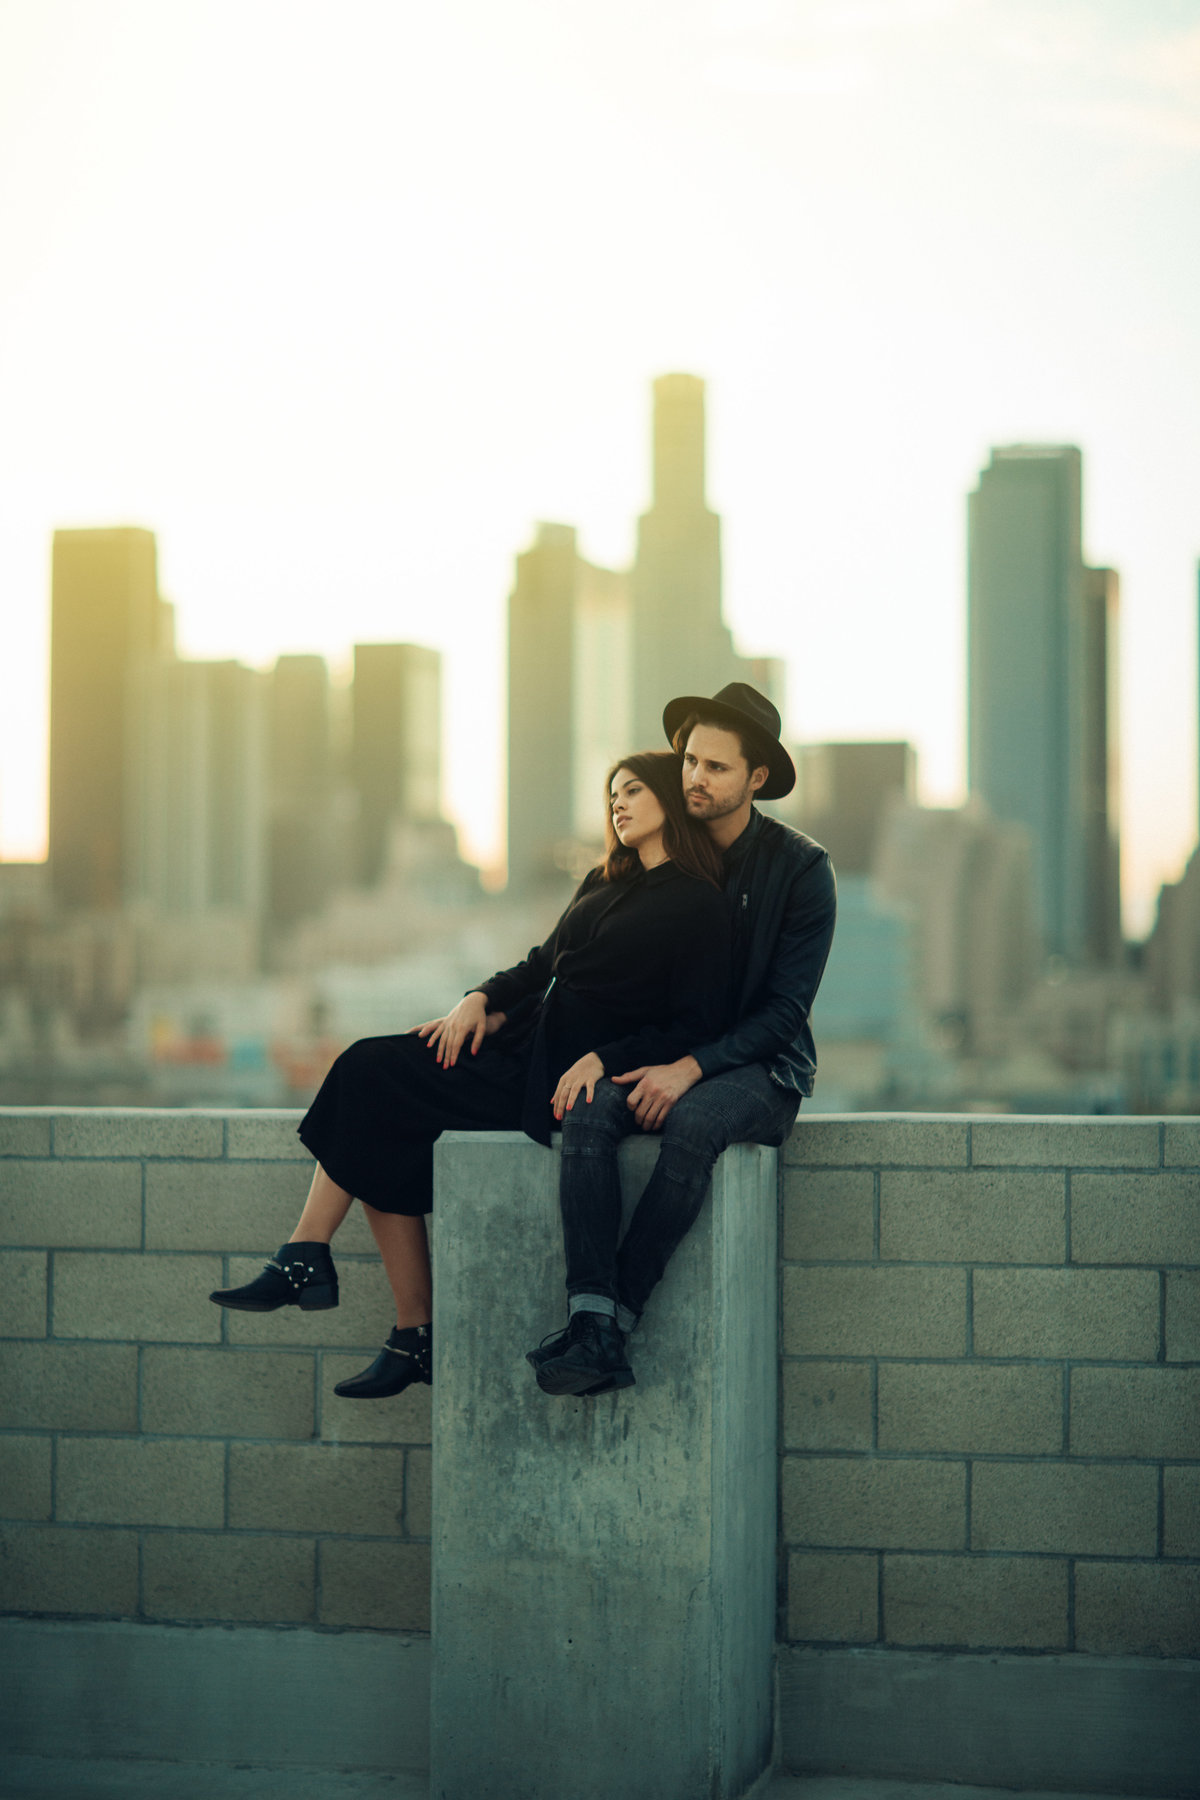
{"x": 635, "y": 971}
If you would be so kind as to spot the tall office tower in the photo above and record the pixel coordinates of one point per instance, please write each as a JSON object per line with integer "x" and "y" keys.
{"x": 1027, "y": 710}
{"x": 1101, "y": 765}
{"x": 106, "y": 616}
{"x": 304, "y": 842}
{"x": 198, "y": 834}
{"x": 681, "y": 644}
{"x": 568, "y": 702}
{"x": 1173, "y": 947}
{"x": 843, "y": 792}
{"x": 395, "y": 751}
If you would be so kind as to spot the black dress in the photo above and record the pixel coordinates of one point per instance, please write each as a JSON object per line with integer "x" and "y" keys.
{"x": 636, "y": 970}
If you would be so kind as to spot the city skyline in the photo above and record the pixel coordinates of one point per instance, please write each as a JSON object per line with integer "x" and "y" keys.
{"x": 345, "y": 659}
{"x": 327, "y": 318}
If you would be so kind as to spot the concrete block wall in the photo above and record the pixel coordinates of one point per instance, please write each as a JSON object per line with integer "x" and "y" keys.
{"x": 990, "y": 1376}
{"x": 162, "y": 1459}
{"x": 991, "y": 1385}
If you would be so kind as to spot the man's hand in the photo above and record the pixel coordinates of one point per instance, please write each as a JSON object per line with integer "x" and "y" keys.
{"x": 469, "y": 1019}
{"x": 658, "y": 1088}
{"x": 582, "y": 1074}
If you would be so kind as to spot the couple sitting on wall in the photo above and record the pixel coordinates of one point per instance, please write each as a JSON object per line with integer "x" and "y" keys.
{"x": 673, "y": 996}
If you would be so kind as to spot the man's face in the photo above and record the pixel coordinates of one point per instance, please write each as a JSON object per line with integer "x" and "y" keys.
{"x": 717, "y": 779}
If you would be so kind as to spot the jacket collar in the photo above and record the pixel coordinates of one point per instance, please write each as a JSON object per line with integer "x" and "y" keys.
{"x": 740, "y": 847}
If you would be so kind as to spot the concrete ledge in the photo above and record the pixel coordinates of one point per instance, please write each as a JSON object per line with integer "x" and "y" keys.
{"x": 893, "y": 1140}
{"x": 308, "y": 1699}
{"x": 1066, "y": 1143}
{"x": 1103, "y": 1725}
{"x": 603, "y": 1569}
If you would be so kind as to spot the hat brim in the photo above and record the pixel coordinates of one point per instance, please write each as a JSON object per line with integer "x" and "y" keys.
{"x": 781, "y": 777}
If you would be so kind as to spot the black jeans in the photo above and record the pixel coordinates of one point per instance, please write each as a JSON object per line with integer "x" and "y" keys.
{"x": 742, "y": 1105}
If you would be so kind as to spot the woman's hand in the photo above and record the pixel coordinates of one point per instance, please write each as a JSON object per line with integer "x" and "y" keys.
{"x": 583, "y": 1074}
{"x": 469, "y": 1019}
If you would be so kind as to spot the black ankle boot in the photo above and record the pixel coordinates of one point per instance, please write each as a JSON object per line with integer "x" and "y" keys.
{"x": 300, "y": 1275}
{"x": 592, "y": 1358}
{"x": 406, "y": 1357}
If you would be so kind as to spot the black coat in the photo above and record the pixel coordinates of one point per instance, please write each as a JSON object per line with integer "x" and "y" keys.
{"x": 784, "y": 898}
{"x": 637, "y": 970}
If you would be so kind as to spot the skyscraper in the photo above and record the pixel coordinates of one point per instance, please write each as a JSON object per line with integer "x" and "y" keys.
{"x": 680, "y": 642}
{"x": 395, "y": 750}
{"x": 595, "y": 654}
{"x": 1101, "y": 765}
{"x": 198, "y": 789}
{"x": 568, "y": 701}
{"x": 1027, "y": 711}
{"x": 304, "y": 844}
{"x": 106, "y": 618}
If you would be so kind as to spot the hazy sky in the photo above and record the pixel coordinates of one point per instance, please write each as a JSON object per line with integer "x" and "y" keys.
{"x": 340, "y": 299}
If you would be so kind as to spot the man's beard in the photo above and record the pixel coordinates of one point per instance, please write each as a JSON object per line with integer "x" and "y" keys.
{"x": 703, "y": 806}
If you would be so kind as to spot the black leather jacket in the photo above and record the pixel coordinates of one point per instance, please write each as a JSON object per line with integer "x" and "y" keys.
{"x": 784, "y": 898}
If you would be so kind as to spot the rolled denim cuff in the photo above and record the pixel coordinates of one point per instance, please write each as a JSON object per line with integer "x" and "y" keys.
{"x": 597, "y": 1303}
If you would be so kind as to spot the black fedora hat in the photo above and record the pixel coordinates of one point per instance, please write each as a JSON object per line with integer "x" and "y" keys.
{"x": 744, "y": 707}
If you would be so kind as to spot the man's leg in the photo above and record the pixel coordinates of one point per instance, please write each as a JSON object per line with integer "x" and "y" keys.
{"x": 740, "y": 1106}
{"x": 589, "y": 1356}
{"x": 590, "y": 1196}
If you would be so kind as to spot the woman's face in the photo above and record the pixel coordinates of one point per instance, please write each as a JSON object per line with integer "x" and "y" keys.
{"x": 638, "y": 819}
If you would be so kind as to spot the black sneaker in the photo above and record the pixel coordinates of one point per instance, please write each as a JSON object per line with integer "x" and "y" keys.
{"x": 591, "y": 1359}
{"x": 551, "y": 1346}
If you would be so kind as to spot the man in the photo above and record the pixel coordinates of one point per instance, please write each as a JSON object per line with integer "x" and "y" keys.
{"x": 745, "y": 1086}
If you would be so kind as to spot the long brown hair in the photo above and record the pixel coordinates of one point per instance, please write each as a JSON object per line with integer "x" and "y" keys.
{"x": 687, "y": 844}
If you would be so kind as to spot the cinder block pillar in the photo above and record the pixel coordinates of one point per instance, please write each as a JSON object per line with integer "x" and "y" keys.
{"x": 603, "y": 1570}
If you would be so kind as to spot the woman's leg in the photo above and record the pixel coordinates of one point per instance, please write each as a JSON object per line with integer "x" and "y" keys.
{"x": 324, "y": 1210}
{"x": 302, "y": 1276}
{"x": 408, "y": 1354}
{"x": 404, "y": 1247}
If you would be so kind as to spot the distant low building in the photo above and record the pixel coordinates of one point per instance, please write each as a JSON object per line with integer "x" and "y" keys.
{"x": 1158, "y": 1055}
{"x": 968, "y": 881}
{"x": 874, "y": 1046}
{"x": 1172, "y": 955}
{"x": 842, "y": 795}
